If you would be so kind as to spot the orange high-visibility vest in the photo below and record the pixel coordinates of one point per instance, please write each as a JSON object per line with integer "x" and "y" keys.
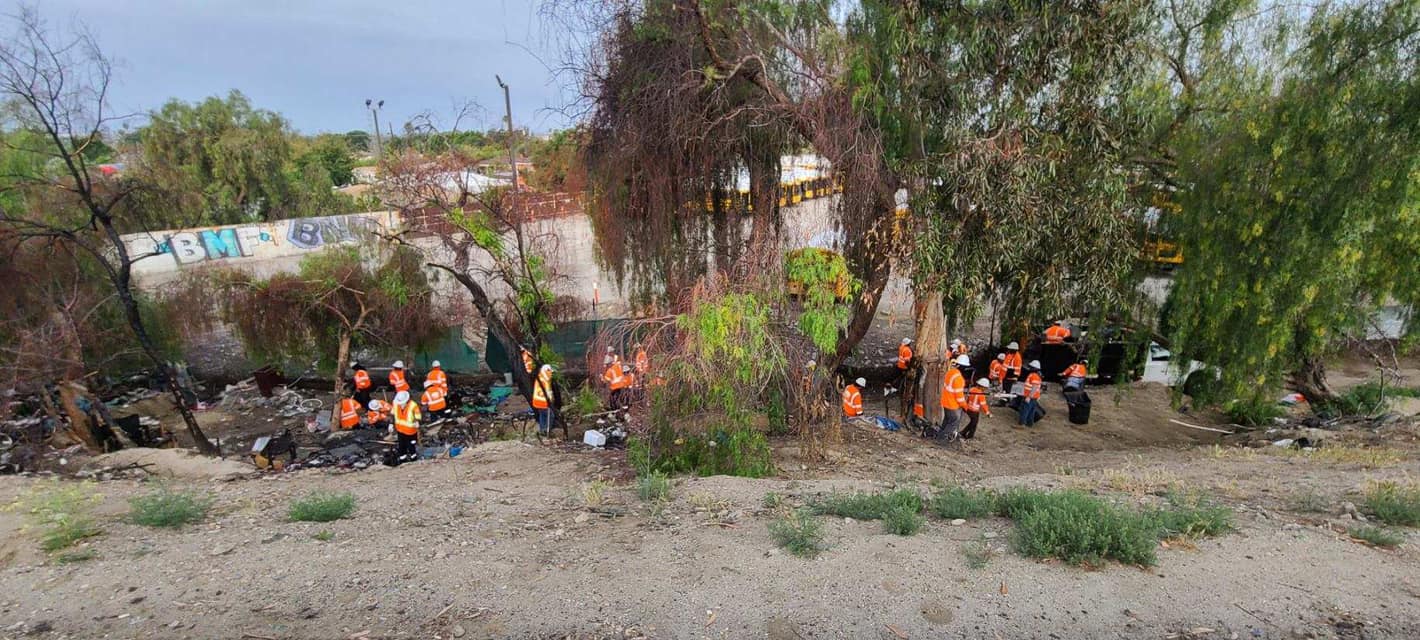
{"x": 614, "y": 377}
{"x": 397, "y": 380}
{"x": 381, "y": 413}
{"x": 1056, "y": 334}
{"x": 1013, "y": 362}
{"x": 960, "y": 350}
{"x": 1032, "y": 388}
{"x": 433, "y": 398}
{"x": 997, "y": 372}
{"x": 542, "y": 390}
{"x": 904, "y": 356}
{"x": 852, "y": 401}
{"x": 643, "y": 362}
{"x": 1076, "y": 370}
{"x": 362, "y": 380}
{"x": 439, "y": 378}
{"x": 406, "y": 419}
{"x": 953, "y": 389}
{"x": 527, "y": 361}
{"x": 918, "y": 410}
{"x": 349, "y": 413}
{"x": 976, "y": 401}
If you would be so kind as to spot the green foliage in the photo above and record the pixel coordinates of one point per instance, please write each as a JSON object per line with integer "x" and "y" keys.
{"x": 869, "y": 506}
{"x": 1394, "y": 504}
{"x": 654, "y": 487}
{"x": 798, "y": 532}
{"x": 823, "y": 281}
{"x": 1254, "y": 411}
{"x": 322, "y": 507}
{"x": 772, "y": 500}
{"x": 978, "y": 554}
{"x": 72, "y": 557}
{"x": 903, "y": 520}
{"x": 958, "y": 502}
{"x": 1192, "y": 516}
{"x": 1081, "y": 529}
{"x": 1300, "y": 215}
{"x": 585, "y": 402}
{"x": 1377, "y": 536}
{"x": 331, "y": 155}
{"x": 739, "y": 452}
{"x": 324, "y": 535}
{"x": 166, "y": 508}
{"x": 1367, "y": 399}
{"x": 63, "y": 512}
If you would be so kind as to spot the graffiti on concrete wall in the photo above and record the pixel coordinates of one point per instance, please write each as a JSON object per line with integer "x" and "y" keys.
{"x": 264, "y": 240}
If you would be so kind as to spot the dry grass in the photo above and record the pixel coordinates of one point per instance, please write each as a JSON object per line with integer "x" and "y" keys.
{"x": 1337, "y": 454}
{"x": 594, "y": 493}
{"x": 1138, "y": 481}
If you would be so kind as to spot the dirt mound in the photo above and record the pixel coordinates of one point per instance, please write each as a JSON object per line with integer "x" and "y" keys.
{"x": 173, "y": 463}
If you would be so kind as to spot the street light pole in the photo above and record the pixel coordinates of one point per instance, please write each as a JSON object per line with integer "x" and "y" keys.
{"x": 374, "y": 108}
{"x": 508, "y": 112}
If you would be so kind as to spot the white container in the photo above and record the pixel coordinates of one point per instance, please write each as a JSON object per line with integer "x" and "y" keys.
{"x": 594, "y": 438}
{"x": 508, "y": 379}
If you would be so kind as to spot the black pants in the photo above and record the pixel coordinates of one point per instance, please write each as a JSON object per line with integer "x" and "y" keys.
{"x": 406, "y": 449}
{"x": 363, "y": 397}
{"x": 972, "y": 417}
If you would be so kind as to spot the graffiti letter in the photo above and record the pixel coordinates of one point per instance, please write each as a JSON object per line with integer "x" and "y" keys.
{"x": 222, "y": 244}
{"x": 304, "y": 234}
{"x": 186, "y": 248}
{"x": 249, "y": 237}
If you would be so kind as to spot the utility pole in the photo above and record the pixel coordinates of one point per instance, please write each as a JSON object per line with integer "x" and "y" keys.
{"x": 374, "y": 108}
{"x": 508, "y": 111}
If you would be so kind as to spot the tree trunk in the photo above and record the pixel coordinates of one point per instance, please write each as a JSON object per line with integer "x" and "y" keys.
{"x": 931, "y": 355}
{"x": 1309, "y": 379}
{"x": 342, "y": 355}
{"x": 497, "y": 327}
{"x": 135, "y": 322}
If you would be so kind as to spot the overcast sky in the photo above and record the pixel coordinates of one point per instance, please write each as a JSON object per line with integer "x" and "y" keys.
{"x": 316, "y": 61}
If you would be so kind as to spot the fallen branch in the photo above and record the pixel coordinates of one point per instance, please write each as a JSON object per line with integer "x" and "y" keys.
{"x": 1194, "y": 426}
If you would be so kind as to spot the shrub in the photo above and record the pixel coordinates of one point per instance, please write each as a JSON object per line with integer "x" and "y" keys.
{"x": 62, "y": 512}
{"x": 1377, "y": 536}
{"x": 166, "y": 508}
{"x": 1254, "y": 413}
{"x": 653, "y": 487}
{"x": 322, "y": 507}
{"x": 1309, "y": 501}
{"x": 594, "y": 493}
{"x": 869, "y": 506}
{"x": 903, "y": 520}
{"x": 1192, "y": 516}
{"x": 957, "y": 502}
{"x": 798, "y": 533}
{"x": 1367, "y": 399}
{"x": 324, "y": 535}
{"x": 978, "y": 554}
{"x": 736, "y": 452}
{"x": 1394, "y": 504}
{"x": 772, "y": 500}
{"x": 585, "y": 402}
{"x": 1081, "y": 529}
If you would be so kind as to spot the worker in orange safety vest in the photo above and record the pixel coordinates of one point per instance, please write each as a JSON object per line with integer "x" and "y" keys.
{"x": 397, "y": 381}
{"x": 433, "y": 399}
{"x": 406, "y": 427}
{"x": 977, "y": 403}
{"x": 437, "y": 376}
{"x": 1057, "y": 333}
{"x": 853, "y": 398}
{"x": 997, "y": 373}
{"x": 643, "y": 361}
{"x": 379, "y": 414}
{"x": 904, "y": 355}
{"x": 953, "y": 398}
{"x": 1030, "y": 396}
{"x": 360, "y": 382}
{"x": 527, "y": 360}
{"x": 349, "y": 413}
{"x": 617, "y": 381}
{"x": 1013, "y": 366}
{"x": 542, "y": 400}
{"x": 1075, "y": 374}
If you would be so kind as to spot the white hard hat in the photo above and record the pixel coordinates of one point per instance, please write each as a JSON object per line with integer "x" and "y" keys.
{"x": 1001, "y": 356}
{"x": 401, "y": 397}
{"x": 434, "y": 364}
{"x": 955, "y": 342}
{"x": 907, "y": 341}
{"x": 429, "y": 383}
{"x": 608, "y": 360}
{"x": 610, "y": 349}
{"x": 399, "y": 364}
{"x": 1059, "y": 322}
{"x": 861, "y": 382}
{"x": 374, "y": 405}
{"x": 963, "y": 361}
{"x": 983, "y": 382}
{"x": 1034, "y": 364}
{"x": 811, "y": 364}
{"x": 1013, "y": 345}
{"x": 547, "y": 368}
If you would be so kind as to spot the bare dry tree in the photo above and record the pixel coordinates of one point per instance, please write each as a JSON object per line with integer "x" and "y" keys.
{"x": 58, "y": 85}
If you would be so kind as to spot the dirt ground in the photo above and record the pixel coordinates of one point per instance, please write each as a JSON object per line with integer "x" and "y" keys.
{"x": 520, "y": 540}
